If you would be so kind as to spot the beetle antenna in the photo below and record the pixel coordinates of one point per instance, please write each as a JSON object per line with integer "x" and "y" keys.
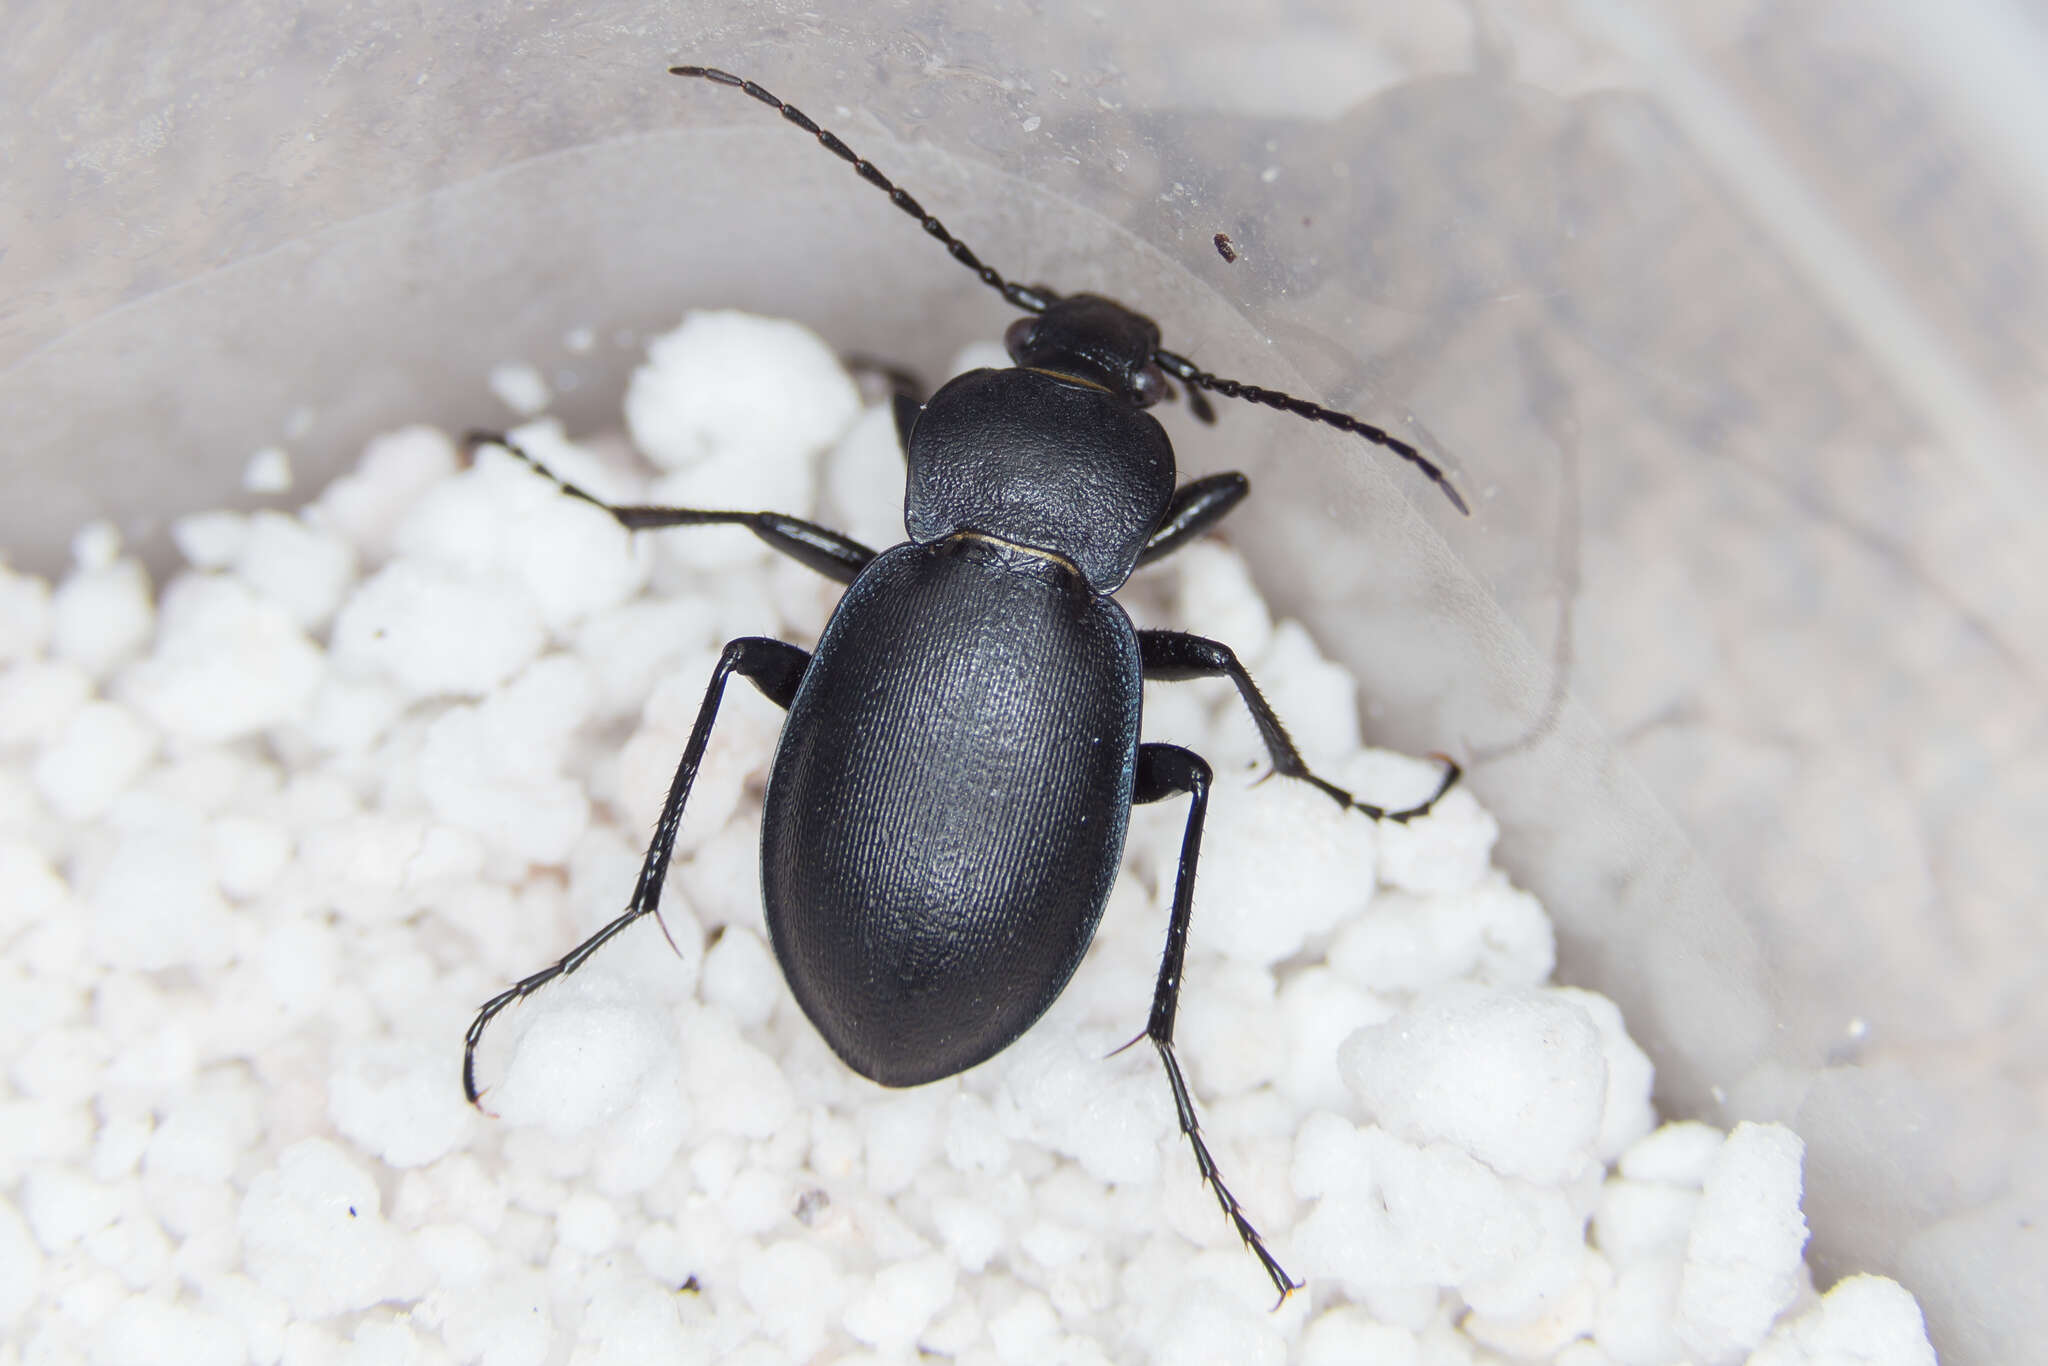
{"x": 1193, "y": 375}
{"x": 1030, "y": 298}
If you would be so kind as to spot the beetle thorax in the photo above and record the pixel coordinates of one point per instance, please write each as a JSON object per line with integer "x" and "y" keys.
{"x": 1054, "y": 464}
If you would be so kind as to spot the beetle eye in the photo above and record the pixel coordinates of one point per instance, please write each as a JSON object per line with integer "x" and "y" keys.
{"x": 1149, "y": 386}
{"x": 1017, "y": 337}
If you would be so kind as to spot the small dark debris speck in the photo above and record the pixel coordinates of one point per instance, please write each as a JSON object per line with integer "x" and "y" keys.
{"x": 689, "y": 1287}
{"x": 1224, "y": 247}
{"x": 810, "y": 1205}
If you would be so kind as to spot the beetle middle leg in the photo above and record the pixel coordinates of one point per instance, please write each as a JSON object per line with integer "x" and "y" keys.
{"x": 1175, "y": 656}
{"x": 1165, "y": 771}
{"x": 773, "y": 666}
{"x": 816, "y": 547}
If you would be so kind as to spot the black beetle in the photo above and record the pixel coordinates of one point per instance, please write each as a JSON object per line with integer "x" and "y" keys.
{"x": 948, "y": 804}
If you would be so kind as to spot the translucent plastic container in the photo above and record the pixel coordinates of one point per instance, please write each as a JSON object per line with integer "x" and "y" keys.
{"x": 1726, "y": 322}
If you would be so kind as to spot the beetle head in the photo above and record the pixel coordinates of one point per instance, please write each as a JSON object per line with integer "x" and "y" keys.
{"x": 1096, "y": 341}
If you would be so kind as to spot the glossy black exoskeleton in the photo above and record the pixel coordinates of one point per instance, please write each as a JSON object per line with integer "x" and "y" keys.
{"x": 948, "y": 805}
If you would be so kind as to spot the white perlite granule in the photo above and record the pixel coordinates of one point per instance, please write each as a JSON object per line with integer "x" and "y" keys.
{"x": 267, "y": 842}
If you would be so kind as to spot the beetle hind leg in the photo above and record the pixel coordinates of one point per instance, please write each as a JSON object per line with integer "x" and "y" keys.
{"x": 773, "y": 666}
{"x": 1165, "y": 771}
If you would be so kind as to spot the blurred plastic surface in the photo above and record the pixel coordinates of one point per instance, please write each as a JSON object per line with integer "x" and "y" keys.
{"x": 1728, "y": 319}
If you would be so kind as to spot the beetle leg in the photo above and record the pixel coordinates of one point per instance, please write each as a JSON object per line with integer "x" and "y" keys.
{"x": 773, "y": 666}
{"x": 1195, "y": 508}
{"x": 816, "y": 547}
{"x": 1165, "y": 771}
{"x": 1175, "y": 656}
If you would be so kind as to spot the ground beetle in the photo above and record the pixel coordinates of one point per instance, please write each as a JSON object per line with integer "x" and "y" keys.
{"x": 948, "y": 804}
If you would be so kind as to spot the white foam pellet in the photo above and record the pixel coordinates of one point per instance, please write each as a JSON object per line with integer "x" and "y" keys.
{"x": 226, "y": 664}
{"x": 432, "y": 632}
{"x": 588, "y": 1223}
{"x": 755, "y": 1202}
{"x": 1680, "y": 1153}
{"x": 211, "y": 540}
{"x": 312, "y": 1231}
{"x": 508, "y": 1321}
{"x": 393, "y": 1100}
{"x": 1207, "y": 1329}
{"x": 580, "y": 1054}
{"x": 638, "y": 642}
{"x": 1322, "y": 1010}
{"x": 1638, "y": 1219}
{"x": 37, "y": 698}
{"x": 1349, "y": 1336}
{"x": 1515, "y": 1078}
{"x": 1742, "y": 1258}
{"x": 902, "y": 1135}
{"x": 134, "y": 1248}
{"x": 1566, "y": 1316}
{"x": 974, "y": 1139}
{"x": 492, "y": 769}
{"x": 63, "y": 1205}
{"x": 303, "y": 568}
{"x": 31, "y": 893}
{"x": 730, "y": 382}
{"x": 893, "y": 1311}
{"x": 96, "y": 545}
{"x": 203, "y": 1134}
{"x": 1627, "y": 1114}
{"x": 366, "y": 505}
{"x": 864, "y": 481}
{"x": 736, "y": 1088}
{"x": 1862, "y": 1321}
{"x": 520, "y": 387}
{"x": 626, "y": 1323}
{"x": 1634, "y": 1324}
{"x": 970, "y": 1230}
{"x": 979, "y": 355}
{"x": 269, "y": 471}
{"x": 100, "y": 616}
{"x": 248, "y": 852}
{"x": 157, "y": 904}
{"x": 258, "y": 1317}
{"x": 63, "y": 1065}
{"x": 635, "y": 1149}
{"x": 1445, "y": 851}
{"x": 1396, "y": 1214}
{"x": 119, "y": 1146}
{"x": 797, "y": 1292}
{"x": 741, "y": 975}
{"x": 499, "y": 522}
{"x": 1216, "y": 589}
{"x": 1056, "y": 1092}
{"x": 1410, "y": 943}
{"x": 147, "y": 1329}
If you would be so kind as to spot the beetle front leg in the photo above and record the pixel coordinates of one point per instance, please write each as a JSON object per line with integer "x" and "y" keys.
{"x": 815, "y": 547}
{"x": 1175, "y": 656}
{"x": 773, "y": 666}
{"x": 1196, "y": 507}
{"x": 1165, "y": 771}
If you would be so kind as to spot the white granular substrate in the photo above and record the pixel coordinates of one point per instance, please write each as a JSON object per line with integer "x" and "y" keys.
{"x": 266, "y": 843}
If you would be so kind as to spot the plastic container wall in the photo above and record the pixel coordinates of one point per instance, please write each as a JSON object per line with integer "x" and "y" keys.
{"x": 1727, "y": 319}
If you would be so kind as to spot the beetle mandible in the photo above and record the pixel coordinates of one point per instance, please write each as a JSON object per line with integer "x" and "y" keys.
{"x": 948, "y": 803}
